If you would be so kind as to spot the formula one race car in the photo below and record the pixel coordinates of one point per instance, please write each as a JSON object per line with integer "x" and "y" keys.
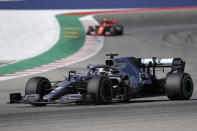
{"x": 106, "y": 28}
{"x": 119, "y": 79}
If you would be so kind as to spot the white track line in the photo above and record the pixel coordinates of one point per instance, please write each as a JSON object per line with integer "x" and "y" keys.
{"x": 91, "y": 47}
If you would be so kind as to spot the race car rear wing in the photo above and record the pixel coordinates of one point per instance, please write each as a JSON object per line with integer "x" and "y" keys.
{"x": 176, "y": 64}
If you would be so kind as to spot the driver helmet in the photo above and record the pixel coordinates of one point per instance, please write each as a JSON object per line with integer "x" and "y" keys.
{"x": 104, "y": 20}
{"x": 103, "y": 71}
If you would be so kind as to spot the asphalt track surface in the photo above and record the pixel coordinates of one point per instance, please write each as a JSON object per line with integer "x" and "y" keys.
{"x": 147, "y": 34}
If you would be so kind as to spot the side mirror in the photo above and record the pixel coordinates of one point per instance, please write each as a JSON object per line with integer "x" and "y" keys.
{"x": 72, "y": 72}
{"x": 89, "y": 66}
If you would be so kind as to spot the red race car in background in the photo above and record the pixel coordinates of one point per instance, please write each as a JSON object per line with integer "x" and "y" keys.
{"x": 106, "y": 28}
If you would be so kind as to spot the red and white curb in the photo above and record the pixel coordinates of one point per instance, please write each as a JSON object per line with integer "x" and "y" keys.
{"x": 90, "y": 48}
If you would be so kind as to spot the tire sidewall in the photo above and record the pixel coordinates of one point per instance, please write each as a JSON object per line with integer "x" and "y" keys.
{"x": 90, "y": 30}
{"x": 186, "y": 93}
{"x": 179, "y": 86}
{"x": 96, "y": 86}
{"x": 119, "y": 29}
{"x": 112, "y": 30}
{"x": 35, "y": 86}
{"x": 105, "y": 85}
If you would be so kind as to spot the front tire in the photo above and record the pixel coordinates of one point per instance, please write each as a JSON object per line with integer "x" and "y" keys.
{"x": 40, "y": 86}
{"x": 101, "y": 87}
{"x": 90, "y": 30}
{"x": 179, "y": 86}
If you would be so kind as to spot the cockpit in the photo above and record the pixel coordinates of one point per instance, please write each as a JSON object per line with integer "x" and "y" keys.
{"x": 102, "y": 70}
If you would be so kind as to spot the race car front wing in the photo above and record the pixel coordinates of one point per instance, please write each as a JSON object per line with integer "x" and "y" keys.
{"x": 34, "y": 99}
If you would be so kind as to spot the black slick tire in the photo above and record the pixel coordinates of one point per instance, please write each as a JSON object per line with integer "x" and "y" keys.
{"x": 112, "y": 30}
{"x": 119, "y": 29}
{"x": 38, "y": 85}
{"x": 90, "y": 30}
{"x": 179, "y": 86}
{"x": 101, "y": 87}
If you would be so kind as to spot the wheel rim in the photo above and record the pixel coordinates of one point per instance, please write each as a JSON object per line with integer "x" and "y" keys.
{"x": 106, "y": 91}
{"x": 187, "y": 86}
{"x": 43, "y": 86}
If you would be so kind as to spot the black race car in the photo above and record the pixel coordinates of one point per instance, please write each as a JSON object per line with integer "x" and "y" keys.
{"x": 119, "y": 79}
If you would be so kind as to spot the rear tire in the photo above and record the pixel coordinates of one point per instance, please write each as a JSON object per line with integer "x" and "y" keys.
{"x": 179, "y": 86}
{"x": 38, "y": 85}
{"x": 112, "y": 30}
{"x": 101, "y": 87}
{"x": 119, "y": 29}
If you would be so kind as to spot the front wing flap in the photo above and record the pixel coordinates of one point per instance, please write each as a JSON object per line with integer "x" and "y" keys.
{"x": 17, "y": 98}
